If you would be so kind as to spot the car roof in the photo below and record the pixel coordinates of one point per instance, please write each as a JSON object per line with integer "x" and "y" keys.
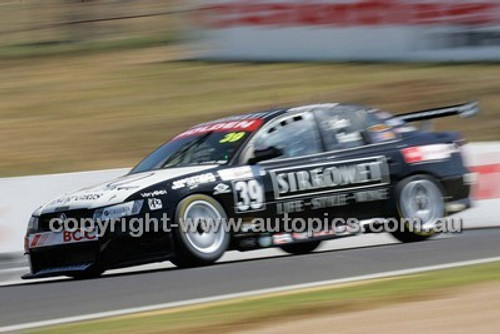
{"x": 270, "y": 114}
{"x": 262, "y": 115}
{"x": 328, "y": 106}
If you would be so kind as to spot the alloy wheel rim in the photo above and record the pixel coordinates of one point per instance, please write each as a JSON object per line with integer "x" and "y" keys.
{"x": 422, "y": 199}
{"x": 204, "y": 231}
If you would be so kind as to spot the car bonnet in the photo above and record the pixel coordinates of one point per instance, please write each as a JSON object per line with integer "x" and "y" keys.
{"x": 117, "y": 190}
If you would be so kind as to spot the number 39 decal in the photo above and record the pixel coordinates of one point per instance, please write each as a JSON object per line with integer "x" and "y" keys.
{"x": 249, "y": 196}
{"x": 232, "y": 137}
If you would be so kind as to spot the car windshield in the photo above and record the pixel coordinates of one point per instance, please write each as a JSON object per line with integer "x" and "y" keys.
{"x": 212, "y": 144}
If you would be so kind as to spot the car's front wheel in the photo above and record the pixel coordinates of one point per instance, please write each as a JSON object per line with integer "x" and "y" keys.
{"x": 301, "y": 248}
{"x": 201, "y": 236}
{"x": 420, "y": 204}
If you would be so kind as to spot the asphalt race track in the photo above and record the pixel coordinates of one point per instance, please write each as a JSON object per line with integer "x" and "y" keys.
{"x": 25, "y": 302}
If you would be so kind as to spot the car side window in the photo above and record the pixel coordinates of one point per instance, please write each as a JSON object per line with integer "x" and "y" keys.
{"x": 342, "y": 127}
{"x": 380, "y": 127}
{"x": 295, "y": 136}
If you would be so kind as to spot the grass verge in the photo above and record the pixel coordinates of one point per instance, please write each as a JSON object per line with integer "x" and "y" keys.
{"x": 253, "y": 312}
{"x": 85, "y": 111}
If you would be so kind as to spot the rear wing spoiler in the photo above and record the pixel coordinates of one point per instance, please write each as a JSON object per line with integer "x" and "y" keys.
{"x": 463, "y": 110}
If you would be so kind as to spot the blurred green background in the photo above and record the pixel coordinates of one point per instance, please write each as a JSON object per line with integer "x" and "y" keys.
{"x": 99, "y": 84}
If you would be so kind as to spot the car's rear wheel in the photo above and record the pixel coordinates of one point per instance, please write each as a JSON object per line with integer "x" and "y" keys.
{"x": 200, "y": 237}
{"x": 421, "y": 199}
{"x": 301, "y": 248}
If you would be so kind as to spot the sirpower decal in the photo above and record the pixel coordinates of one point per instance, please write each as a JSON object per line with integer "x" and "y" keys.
{"x": 329, "y": 177}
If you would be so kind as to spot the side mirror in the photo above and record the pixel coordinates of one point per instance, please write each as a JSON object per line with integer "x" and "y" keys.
{"x": 265, "y": 154}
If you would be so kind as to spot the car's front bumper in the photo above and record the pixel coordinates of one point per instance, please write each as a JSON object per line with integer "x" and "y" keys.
{"x": 62, "y": 259}
{"x": 55, "y": 257}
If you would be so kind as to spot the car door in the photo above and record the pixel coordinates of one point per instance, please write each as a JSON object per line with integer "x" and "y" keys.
{"x": 297, "y": 136}
{"x": 359, "y": 141}
{"x": 330, "y": 167}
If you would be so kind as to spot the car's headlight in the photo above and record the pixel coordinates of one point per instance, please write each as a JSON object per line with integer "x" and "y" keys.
{"x": 33, "y": 224}
{"x": 119, "y": 211}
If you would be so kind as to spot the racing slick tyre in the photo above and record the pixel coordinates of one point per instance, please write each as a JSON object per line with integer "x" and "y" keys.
{"x": 301, "y": 248}
{"x": 421, "y": 197}
{"x": 197, "y": 241}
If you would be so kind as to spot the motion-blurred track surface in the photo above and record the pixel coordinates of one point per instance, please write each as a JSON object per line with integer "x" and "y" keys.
{"x": 45, "y": 300}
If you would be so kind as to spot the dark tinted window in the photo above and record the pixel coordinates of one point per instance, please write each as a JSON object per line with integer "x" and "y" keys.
{"x": 342, "y": 126}
{"x": 295, "y": 136}
{"x": 194, "y": 148}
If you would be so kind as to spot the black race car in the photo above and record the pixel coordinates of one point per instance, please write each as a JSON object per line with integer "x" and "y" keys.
{"x": 286, "y": 178}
